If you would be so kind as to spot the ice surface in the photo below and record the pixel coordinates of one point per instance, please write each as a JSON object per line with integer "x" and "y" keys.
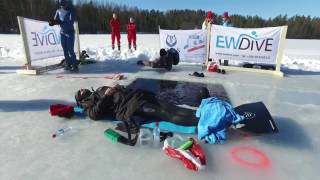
{"x": 179, "y": 92}
{"x": 28, "y": 152}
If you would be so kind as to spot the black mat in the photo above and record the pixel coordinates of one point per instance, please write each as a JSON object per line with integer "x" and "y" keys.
{"x": 257, "y": 118}
{"x": 179, "y": 92}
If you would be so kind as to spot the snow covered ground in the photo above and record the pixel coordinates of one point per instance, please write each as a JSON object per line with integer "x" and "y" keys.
{"x": 301, "y": 55}
{"x": 28, "y": 152}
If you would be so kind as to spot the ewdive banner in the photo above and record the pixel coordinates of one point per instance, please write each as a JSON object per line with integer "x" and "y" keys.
{"x": 191, "y": 44}
{"x": 258, "y": 46}
{"x": 42, "y": 41}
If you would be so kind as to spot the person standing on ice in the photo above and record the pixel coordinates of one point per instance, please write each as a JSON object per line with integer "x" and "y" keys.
{"x": 208, "y": 21}
{"x": 115, "y": 30}
{"x": 132, "y": 33}
{"x": 226, "y": 20}
{"x": 206, "y": 25}
{"x": 65, "y": 17}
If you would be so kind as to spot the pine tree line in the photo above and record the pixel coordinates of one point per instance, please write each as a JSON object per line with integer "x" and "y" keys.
{"x": 94, "y": 17}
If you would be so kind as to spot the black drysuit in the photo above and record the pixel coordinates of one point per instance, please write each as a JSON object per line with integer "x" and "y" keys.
{"x": 164, "y": 61}
{"x": 125, "y": 103}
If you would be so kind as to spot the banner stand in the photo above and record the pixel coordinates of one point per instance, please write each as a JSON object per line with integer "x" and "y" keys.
{"x": 261, "y": 71}
{"x": 208, "y": 44}
{"x": 276, "y": 72}
{"x": 28, "y": 69}
{"x": 281, "y": 48}
{"x": 77, "y": 37}
{"x": 191, "y": 44}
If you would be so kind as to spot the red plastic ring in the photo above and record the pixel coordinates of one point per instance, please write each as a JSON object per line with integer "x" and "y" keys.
{"x": 263, "y": 162}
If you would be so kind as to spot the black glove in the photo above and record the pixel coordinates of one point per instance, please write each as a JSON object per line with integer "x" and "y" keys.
{"x": 53, "y": 22}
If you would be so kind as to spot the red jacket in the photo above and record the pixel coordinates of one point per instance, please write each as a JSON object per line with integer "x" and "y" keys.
{"x": 131, "y": 29}
{"x": 115, "y": 25}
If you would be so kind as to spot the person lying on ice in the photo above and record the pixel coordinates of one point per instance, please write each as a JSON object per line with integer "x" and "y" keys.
{"x": 166, "y": 60}
{"x": 123, "y": 104}
{"x": 136, "y": 107}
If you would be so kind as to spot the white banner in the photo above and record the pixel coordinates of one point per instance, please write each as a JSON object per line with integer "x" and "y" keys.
{"x": 43, "y": 41}
{"x": 258, "y": 46}
{"x": 191, "y": 44}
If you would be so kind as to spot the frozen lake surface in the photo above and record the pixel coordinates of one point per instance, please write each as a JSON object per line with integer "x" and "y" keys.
{"x": 28, "y": 152}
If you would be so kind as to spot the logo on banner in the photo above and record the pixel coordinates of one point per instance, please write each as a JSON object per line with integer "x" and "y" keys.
{"x": 195, "y": 42}
{"x": 47, "y": 37}
{"x": 245, "y": 42}
{"x": 171, "y": 40}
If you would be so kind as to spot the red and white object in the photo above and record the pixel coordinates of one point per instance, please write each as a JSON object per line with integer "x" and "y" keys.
{"x": 212, "y": 67}
{"x": 192, "y": 158}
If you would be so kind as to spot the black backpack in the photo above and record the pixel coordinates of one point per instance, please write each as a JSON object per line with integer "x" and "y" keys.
{"x": 174, "y": 55}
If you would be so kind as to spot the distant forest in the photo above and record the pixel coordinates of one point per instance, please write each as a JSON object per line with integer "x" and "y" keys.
{"x": 94, "y": 16}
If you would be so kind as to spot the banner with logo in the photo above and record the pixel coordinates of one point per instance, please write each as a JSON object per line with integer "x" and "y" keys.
{"x": 43, "y": 41}
{"x": 258, "y": 46}
{"x": 191, "y": 44}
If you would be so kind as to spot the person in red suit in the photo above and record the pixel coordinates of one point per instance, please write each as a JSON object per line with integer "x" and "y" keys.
{"x": 115, "y": 30}
{"x": 132, "y": 33}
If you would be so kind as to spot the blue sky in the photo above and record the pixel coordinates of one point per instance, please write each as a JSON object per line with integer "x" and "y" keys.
{"x": 263, "y": 8}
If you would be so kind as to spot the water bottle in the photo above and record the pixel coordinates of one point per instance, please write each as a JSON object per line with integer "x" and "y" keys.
{"x": 61, "y": 131}
{"x": 176, "y": 141}
{"x": 156, "y": 135}
{"x": 145, "y": 138}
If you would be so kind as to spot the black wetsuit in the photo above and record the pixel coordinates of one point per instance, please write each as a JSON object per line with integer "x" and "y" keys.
{"x": 164, "y": 61}
{"x": 125, "y": 103}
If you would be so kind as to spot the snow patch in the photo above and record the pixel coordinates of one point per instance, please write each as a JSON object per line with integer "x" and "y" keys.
{"x": 301, "y": 63}
{"x": 11, "y": 53}
{"x": 299, "y": 54}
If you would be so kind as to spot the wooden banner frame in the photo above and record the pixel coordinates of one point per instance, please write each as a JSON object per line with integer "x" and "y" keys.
{"x": 276, "y": 72}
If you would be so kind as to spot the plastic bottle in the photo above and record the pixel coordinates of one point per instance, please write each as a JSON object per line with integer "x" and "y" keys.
{"x": 156, "y": 135}
{"x": 145, "y": 138}
{"x": 176, "y": 141}
{"x": 61, "y": 131}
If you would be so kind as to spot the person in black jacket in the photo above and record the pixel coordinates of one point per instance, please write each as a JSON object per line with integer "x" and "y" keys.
{"x": 166, "y": 59}
{"x": 123, "y": 104}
